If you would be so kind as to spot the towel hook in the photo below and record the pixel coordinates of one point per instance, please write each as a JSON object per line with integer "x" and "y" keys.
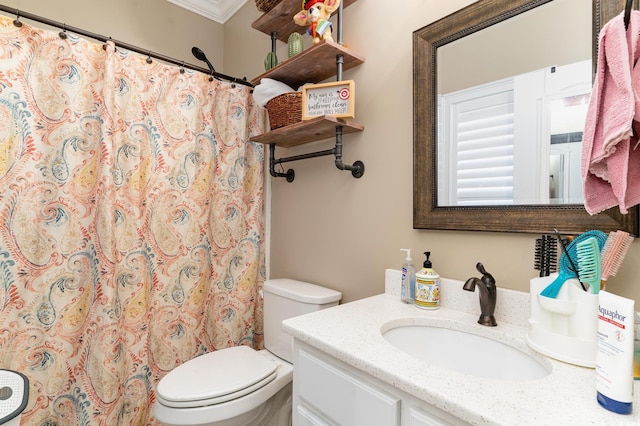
{"x": 627, "y": 13}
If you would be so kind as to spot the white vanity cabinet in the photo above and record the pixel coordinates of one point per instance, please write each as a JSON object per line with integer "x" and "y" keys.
{"x": 329, "y": 392}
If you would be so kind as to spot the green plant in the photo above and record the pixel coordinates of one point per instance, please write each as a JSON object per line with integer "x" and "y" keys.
{"x": 295, "y": 44}
{"x": 270, "y": 61}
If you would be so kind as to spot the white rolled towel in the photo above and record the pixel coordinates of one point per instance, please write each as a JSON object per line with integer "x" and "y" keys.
{"x": 269, "y": 89}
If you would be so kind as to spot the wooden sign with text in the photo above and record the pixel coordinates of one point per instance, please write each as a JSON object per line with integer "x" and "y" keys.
{"x": 336, "y": 99}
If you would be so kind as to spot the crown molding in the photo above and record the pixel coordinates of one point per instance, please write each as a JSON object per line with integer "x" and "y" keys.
{"x": 217, "y": 10}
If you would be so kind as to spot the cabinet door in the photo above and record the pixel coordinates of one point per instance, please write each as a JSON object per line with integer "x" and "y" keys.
{"x": 307, "y": 418}
{"x": 421, "y": 418}
{"x": 341, "y": 396}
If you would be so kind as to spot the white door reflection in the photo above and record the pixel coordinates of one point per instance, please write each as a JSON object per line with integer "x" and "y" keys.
{"x": 489, "y": 150}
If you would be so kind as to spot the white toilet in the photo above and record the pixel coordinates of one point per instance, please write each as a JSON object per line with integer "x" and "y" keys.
{"x": 239, "y": 386}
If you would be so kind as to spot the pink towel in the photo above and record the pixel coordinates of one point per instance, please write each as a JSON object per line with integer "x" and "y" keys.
{"x": 610, "y": 160}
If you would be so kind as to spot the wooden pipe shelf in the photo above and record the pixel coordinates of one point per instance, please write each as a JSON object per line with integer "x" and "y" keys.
{"x": 314, "y": 64}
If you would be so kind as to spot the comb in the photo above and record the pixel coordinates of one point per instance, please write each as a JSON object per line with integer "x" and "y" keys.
{"x": 613, "y": 253}
{"x": 588, "y": 254}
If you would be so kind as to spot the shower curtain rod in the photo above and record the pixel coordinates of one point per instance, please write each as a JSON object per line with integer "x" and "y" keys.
{"x": 21, "y": 14}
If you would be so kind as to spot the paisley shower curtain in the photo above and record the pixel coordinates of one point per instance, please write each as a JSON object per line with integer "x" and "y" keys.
{"x": 131, "y": 223}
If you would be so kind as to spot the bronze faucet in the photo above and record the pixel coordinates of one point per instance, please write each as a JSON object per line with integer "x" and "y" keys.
{"x": 487, "y": 286}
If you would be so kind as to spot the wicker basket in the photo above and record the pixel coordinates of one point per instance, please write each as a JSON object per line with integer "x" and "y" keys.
{"x": 266, "y": 5}
{"x": 285, "y": 109}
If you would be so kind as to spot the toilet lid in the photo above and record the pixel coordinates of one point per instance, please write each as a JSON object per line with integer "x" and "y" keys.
{"x": 216, "y": 377}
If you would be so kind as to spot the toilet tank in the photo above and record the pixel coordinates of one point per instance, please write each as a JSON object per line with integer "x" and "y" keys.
{"x": 285, "y": 298}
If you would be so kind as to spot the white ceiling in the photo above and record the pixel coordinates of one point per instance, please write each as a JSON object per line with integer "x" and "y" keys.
{"x": 216, "y": 10}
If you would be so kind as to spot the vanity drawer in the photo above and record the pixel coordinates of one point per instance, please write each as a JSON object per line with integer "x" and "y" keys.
{"x": 340, "y": 396}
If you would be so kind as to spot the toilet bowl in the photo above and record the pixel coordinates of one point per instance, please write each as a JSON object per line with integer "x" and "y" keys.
{"x": 240, "y": 386}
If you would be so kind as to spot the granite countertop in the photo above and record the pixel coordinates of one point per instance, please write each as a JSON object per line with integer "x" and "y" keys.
{"x": 352, "y": 333}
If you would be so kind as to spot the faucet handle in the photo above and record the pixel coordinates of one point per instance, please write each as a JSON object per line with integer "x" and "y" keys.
{"x": 487, "y": 278}
{"x": 480, "y": 268}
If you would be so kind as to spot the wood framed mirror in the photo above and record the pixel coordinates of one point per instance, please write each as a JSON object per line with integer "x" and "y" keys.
{"x": 537, "y": 217}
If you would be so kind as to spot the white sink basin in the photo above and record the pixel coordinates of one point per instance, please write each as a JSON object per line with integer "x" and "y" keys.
{"x": 465, "y": 352}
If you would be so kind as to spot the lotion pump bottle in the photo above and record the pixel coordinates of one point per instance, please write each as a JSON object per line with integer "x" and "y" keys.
{"x": 408, "y": 288}
{"x": 427, "y": 286}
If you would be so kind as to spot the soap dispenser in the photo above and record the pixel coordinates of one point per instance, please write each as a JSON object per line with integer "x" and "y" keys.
{"x": 408, "y": 288}
{"x": 427, "y": 294}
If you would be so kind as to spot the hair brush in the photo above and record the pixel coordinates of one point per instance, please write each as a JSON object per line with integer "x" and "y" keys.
{"x": 546, "y": 255}
{"x": 613, "y": 253}
{"x": 567, "y": 267}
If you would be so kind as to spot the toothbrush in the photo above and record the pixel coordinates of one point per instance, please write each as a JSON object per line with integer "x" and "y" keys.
{"x": 588, "y": 253}
{"x": 613, "y": 253}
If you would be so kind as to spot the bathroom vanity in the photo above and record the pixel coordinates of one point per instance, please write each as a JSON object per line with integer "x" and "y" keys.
{"x": 346, "y": 372}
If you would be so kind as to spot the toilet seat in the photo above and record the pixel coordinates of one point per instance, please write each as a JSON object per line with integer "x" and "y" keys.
{"x": 216, "y": 377}
{"x": 238, "y": 408}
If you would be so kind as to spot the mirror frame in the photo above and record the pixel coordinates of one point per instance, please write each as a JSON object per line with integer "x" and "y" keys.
{"x": 568, "y": 218}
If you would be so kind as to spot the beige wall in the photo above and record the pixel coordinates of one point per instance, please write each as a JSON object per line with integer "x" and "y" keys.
{"x": 332, "y": 229}
{"x": 326, "y": 226}
{"x": 529, "y": 46}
